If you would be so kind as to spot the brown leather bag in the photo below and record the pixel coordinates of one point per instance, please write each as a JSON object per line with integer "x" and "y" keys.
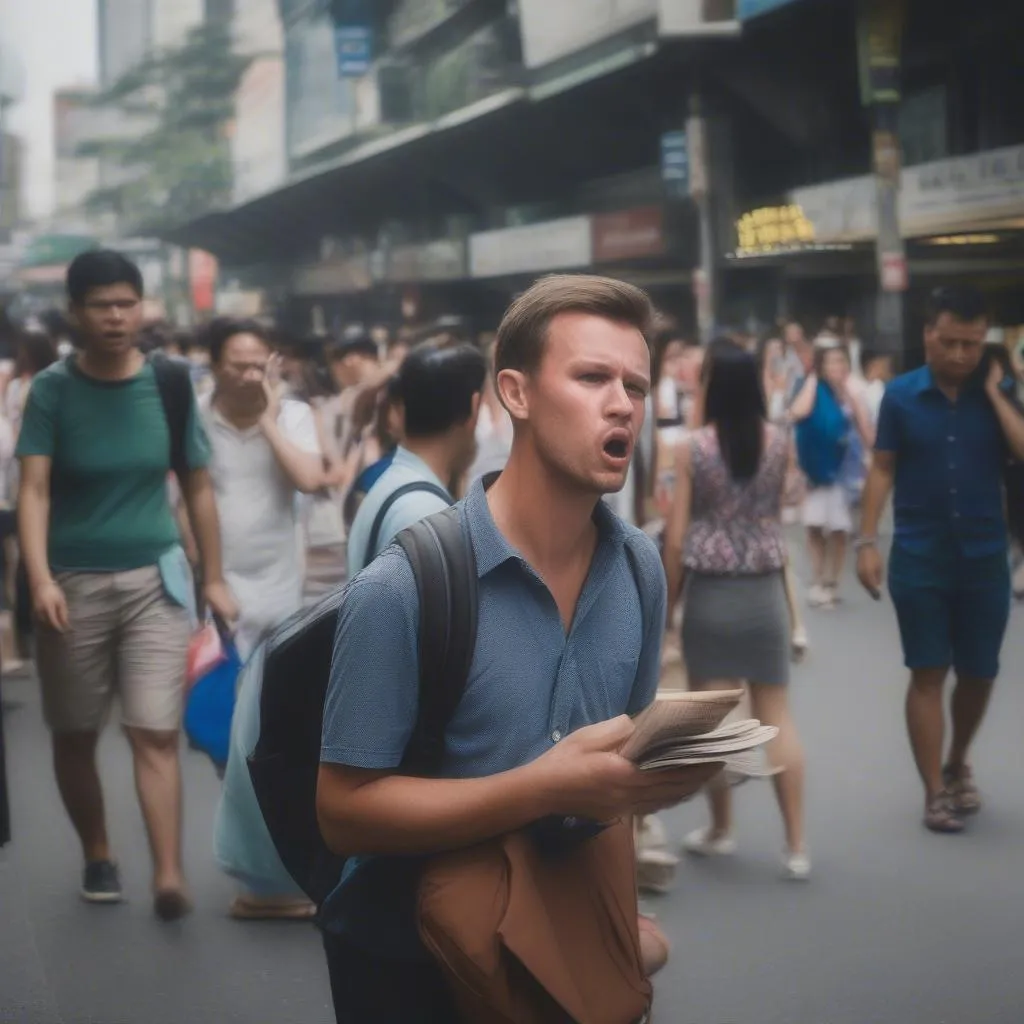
{"x": 529, "y": 938}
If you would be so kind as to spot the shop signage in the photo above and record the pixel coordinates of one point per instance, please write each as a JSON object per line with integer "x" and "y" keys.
{"x": 336, "y": 277}
{"x": 675, "y": 164}
{"x": 773, "y": 228}
{"x": 554, "y": 28}
{"x": 553, "y": 245}
{"x": 894, "y": 272}
{"x": 629, "y": 234}
{"x": 962, "y": 193}
{"x": 353, "y": 46}
{"x": 441, "y": 260}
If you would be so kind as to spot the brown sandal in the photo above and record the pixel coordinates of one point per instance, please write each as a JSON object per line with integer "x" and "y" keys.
{"x": 940, "y": 814}
{"x": 253, "y": 908}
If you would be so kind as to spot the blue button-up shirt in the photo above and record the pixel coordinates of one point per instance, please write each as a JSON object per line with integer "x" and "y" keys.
{"x": 949, "y": 468}
{"x": 531, "y": 683}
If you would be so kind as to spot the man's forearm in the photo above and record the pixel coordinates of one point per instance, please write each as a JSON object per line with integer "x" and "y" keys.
{"x": 303, "y": 469}
{"x": 400, "y": 815}
{"x": 876, "y": 493}
{"x": 202, "y": 513}
{"x": 33, "y": 528}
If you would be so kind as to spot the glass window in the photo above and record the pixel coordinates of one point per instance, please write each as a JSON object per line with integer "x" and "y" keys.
{"x": 321, "y": 106}
{"x": 923, "y": 126}
{"x": 476, "y": 68}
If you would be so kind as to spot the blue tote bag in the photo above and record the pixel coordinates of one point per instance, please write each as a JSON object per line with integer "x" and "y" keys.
{"x": 210, "y": 706}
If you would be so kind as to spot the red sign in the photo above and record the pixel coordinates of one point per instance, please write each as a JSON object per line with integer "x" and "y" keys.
{"x": 894, "y": 272}
{"x": 628, "y": 234}
{"x": 202, "y": 275}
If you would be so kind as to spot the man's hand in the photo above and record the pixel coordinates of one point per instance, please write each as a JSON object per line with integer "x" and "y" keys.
{"x": 221, "y": 602}
{"x": 588, "y": 778}
{"x": 271, "y": 392}
{"x": 870, "y": 570}
{"x": 994, "y": 378}
{"x": 51, "y": 606}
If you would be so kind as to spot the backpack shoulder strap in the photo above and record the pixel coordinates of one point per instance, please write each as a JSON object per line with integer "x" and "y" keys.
{"x": 174, "y": 384}
{"x": 440, "y": 552}
{"x": 400, "y": 492}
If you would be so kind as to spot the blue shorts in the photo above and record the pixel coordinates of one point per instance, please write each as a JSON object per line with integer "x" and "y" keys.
{"x": 952, "y": 610}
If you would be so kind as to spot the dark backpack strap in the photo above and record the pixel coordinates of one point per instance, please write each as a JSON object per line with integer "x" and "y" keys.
{"x": 174, "y": 382}
{"x": 441, "y": 555}
{"x": 378, "y": 520}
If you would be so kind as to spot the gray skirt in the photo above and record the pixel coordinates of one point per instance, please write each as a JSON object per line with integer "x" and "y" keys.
{"x": 736, "y": 627}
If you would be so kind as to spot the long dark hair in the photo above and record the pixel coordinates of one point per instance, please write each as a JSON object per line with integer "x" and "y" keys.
{"x": 734, "y": 404}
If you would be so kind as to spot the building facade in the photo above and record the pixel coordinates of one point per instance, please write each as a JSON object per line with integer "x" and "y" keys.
{"x": 442, "y": 154}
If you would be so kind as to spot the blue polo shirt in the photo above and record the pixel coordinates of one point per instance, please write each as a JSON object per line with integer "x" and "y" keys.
{"x": 530, "y": 683}
{"x": 949, "y": 468}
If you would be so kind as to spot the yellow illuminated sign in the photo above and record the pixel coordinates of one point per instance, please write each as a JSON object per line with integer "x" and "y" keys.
{"x": 771, "y": 228}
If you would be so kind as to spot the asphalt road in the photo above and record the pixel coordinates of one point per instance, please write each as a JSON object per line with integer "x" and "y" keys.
{"x": 897, "y": 926}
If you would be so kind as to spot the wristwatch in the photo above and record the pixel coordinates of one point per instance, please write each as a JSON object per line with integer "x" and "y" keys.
{"x": 865, "y": 542}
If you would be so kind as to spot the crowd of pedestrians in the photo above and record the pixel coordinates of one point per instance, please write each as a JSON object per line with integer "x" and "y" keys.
{"x": 618, "y": 485}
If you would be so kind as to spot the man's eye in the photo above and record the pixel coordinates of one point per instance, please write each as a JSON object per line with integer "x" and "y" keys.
{"x": 593, "y": 378}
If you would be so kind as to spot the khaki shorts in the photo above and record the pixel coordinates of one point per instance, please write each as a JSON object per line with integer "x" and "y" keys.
{"x": 127, "y": 638}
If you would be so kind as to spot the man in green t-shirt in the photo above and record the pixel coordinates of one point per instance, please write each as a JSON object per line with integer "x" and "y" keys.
{"x": 109, "y": 588}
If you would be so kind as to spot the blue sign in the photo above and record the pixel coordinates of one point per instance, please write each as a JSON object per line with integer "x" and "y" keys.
{"x": 675, "y": 164}
{"x": 353, "y": 45}
{"x": 752, "y": 8}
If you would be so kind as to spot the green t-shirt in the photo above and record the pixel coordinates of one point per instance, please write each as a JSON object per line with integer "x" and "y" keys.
{"x": 111, "y": 452}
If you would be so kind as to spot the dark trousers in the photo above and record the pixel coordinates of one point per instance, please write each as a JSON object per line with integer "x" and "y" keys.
{"x": 373, "y": 990}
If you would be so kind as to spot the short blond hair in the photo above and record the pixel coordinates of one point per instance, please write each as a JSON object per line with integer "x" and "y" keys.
{"x": 524, "y": 328}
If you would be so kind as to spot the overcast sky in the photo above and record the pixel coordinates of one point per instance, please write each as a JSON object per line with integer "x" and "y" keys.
{"x": 56, "y": 40}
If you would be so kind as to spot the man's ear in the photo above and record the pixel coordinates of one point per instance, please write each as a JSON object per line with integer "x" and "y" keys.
{"x": 513, "y": 390}
{"x": 474, "y": 409}
{"x": 73, "y": 316}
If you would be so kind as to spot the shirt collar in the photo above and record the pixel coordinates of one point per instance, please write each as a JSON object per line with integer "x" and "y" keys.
{"x": 491, "y": 549}
{"x": 924, "y": 380}
{"x": 409, "y": 460}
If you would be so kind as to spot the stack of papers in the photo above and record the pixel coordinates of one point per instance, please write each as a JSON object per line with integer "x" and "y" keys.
{"x": 684, "y": 728}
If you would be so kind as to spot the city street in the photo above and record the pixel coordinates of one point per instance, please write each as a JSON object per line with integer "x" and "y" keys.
{"x": 897, "y": 926}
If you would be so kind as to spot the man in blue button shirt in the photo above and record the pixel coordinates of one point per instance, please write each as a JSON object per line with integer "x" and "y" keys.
{"x": 566, "y": 647}
{"x": 944, "y": 434}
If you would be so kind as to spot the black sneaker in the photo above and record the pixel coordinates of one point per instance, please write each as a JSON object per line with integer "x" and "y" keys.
{"x": 101, "y": 882}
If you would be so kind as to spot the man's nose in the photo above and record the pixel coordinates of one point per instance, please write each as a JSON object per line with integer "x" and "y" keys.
{"x": 252, "y": 375}
{"x": 620, "y": 404}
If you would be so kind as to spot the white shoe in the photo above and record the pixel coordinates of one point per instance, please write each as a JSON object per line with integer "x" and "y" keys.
{"x": 700, "y": 844}
{"x": 796, "y": 867}
{"x": 817, "y": 596}
{"x": 800, "y": 644}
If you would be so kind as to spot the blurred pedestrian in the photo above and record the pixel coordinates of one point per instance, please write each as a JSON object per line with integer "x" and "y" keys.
{"x": 725, "y": 527}
{"x": 108, "y": 578}
{"x": 944, "y": 433}
{"x": 832, "y": 434}
{"x": 264, "y": 454}
{"x": 439, "y": 394}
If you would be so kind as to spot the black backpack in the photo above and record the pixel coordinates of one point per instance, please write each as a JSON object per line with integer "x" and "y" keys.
{"x": 296, "y": 668}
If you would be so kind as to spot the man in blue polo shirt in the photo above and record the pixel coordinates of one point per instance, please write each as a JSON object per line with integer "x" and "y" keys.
{"x": 944, "y": 433}
{"x": 438, "y": 390}
{"x": 566, "y": 646}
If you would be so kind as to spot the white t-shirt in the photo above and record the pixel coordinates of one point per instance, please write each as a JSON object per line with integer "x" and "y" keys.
{"x": 256, "y": 503}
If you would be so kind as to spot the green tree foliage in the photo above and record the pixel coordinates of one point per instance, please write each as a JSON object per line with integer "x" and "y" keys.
{"x": 178, "y": 166}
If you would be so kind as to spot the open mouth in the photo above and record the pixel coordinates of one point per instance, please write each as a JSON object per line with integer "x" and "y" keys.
{"x": 616, "y": 447}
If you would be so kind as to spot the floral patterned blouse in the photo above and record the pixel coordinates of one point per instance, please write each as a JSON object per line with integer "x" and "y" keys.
{"x": 735, "y": 527}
